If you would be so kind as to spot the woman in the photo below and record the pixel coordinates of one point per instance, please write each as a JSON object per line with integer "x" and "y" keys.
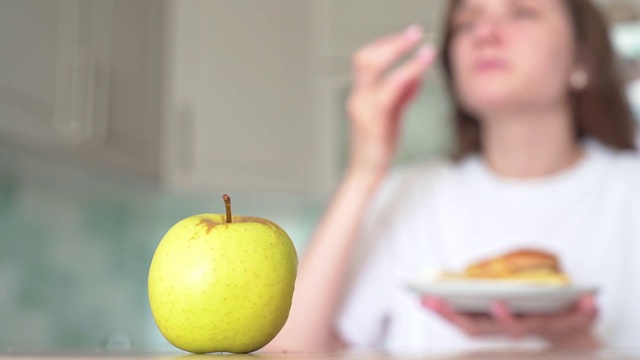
{"x": 543, "y": 134}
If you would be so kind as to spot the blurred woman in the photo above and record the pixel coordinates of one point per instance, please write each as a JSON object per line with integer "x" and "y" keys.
{"x": 544, "y": 158}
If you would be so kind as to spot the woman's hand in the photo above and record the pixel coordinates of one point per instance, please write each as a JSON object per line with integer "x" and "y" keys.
{"x": 380, "y": 95}
{"x": 569, "y": 330}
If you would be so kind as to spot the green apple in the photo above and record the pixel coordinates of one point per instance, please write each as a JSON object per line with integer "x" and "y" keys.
{"x": 222, "y": 283}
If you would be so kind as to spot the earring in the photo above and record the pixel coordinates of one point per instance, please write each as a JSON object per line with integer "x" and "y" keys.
{"x": 579, "y": 80}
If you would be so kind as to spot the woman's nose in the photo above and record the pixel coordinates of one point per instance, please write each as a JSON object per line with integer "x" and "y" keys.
{"x": 489, "y": 31}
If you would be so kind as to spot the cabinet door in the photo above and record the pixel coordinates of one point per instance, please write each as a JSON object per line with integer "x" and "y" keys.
{"x": 240, "y": 117}
{"x": 46, "y": 92}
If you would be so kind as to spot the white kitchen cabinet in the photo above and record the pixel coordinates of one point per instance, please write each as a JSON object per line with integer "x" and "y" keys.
{"x": 238, "y": 96}
{"x": 80, "y": 81}
{"x": 47, "y": 78}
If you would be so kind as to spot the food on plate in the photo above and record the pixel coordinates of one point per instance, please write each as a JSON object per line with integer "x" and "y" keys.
{"x": 523, "y": 265}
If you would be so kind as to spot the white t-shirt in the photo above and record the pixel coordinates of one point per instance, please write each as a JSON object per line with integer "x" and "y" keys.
{"x": 443, "y": 216}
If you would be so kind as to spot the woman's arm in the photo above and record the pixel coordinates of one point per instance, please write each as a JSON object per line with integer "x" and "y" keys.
{"x": 321, "y": 275}
{"x": 376, "y": 104}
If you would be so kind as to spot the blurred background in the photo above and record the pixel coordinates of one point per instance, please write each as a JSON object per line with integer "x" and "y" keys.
{"x": 118, "y": 118}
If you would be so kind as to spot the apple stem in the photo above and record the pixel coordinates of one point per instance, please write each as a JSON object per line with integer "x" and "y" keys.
{"x": 227, "y": 204}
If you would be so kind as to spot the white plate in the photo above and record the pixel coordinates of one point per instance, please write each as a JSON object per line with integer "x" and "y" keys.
{"x": 475, "y": 296}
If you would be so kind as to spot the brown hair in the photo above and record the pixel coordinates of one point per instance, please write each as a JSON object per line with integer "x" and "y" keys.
{"x": 601, "y": 110}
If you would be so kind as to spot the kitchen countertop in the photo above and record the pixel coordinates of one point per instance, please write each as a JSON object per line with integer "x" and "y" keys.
{"x": 604, "y": 355}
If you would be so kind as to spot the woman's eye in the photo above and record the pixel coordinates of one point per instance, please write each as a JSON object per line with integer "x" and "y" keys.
{"x": 464, "y": 26}
{"x": 524, "y": 12}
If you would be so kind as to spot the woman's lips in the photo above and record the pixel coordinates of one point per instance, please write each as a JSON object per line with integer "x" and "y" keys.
{"x": 487, "y": 65}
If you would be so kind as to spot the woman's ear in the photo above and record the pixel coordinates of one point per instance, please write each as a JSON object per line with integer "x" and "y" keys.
{"x": 579, "y": 79}
{"x": 579, "y": 76}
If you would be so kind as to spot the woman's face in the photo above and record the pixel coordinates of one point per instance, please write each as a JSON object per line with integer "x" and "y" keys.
{"x": 509, "y": 55}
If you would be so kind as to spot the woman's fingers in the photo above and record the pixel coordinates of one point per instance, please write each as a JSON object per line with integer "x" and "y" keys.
{"x": 509, "y": 323}
{"x": 472, "y": 325}
{"x": 503, "y": 321}
{"x": 395, "y": 88}
{"x": 579, "y": 318}
{"x": 371, "y": 62}
{"x": 588, "y": 307}
{"x": 379, "y": 97}
{"x": 574, "y": 320}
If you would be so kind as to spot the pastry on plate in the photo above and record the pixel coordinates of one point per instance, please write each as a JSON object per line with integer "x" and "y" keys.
{"x": 523, "y": 266}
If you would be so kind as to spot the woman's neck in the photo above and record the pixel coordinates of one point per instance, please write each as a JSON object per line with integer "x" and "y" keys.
{"x": 532, "y": 145}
